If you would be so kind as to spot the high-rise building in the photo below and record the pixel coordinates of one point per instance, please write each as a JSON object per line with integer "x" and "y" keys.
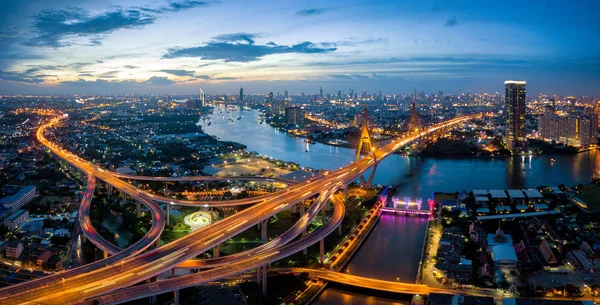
{"x": 202, "y": 96}
{"x": 241, "y": 94}
{"x": 270, "y": 97}
{"x": 285, "y": 94}
{"x": 294, "y": 117}
{"x": 514, "y": 107}
{"x": 321, "y": 92}
{"x": 278, "y": 107}
{"x": 339, "y": 94}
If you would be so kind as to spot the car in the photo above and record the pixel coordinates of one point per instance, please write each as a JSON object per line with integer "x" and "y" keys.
{"x": 237, "y": 295}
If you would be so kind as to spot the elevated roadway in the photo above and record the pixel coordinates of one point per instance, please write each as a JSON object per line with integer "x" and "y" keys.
{"x": 72, "y": 286}
{"x": 239, "y": 266}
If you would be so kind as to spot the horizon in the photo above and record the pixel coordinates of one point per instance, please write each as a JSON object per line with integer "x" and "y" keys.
{"x": 175, "y": 47}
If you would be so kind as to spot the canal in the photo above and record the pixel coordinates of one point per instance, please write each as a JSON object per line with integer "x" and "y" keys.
{"x": 392, "y": 251}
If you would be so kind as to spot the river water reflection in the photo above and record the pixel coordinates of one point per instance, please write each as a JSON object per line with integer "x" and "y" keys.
{"x": 393, "y": 248}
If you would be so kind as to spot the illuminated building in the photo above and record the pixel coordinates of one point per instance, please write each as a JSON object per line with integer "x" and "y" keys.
{"x": 514, "y": 104}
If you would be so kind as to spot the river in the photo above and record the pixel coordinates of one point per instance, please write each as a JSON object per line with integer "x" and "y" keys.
{"x": 395, "y": 243}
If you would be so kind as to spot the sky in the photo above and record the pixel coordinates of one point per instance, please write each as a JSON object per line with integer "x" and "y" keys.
{"x": 179, "y": 46}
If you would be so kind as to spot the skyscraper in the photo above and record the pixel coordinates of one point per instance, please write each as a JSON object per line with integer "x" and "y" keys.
{"x": 202, "y": 98}
{"x": 270, "y": 97}
{"x": 321, "y": 92}
{"x": 514, "y": 106}
{"x": 294, "y": 117}
{"x": 285, "y": 94}
{"x": 339, "y": 94}
{"x": 241, "y": 94}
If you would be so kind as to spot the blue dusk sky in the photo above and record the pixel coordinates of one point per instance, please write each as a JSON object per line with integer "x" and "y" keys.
{"x": 178, "y": 46}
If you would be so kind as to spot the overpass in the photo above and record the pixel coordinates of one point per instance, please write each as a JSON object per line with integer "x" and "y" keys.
{"x": 386, "y": 286}
{"x": 123, "y": 270}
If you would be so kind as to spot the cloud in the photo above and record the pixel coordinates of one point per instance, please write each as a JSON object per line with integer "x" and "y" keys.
{"x": 130, "y": 67}
{"x": 178, "y": 72}
{"x": 240, "y": 47}
{"x": 54, "y": 28}
{"x": 177, "y": 6}
{"x": 312, "y": 11}
{"x": 205, "y": 77}
{"x": 22, "y": 77}
{"x": 237, "y": 37}
{"x": 451, "y": 22}
{"x": 158, "y": 80}
{"x": 224, "y": 78}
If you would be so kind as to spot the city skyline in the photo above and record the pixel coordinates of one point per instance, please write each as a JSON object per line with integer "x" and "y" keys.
{"x": 177, "y": 46}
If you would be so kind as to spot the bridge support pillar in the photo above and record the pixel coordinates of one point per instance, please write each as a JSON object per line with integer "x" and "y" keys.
{"x": 168, "y": 209}
{"x": 124, "y": 199}
{"x": 263, "y": 230}
{"x": 83, "y": 238}
{"x": 346, "y": 193}
{"x": 138, "y": 209}
{"x": 264, "y": 280}
{"x": 110, "y": 189}
{"x": 372, "y": 175}
{"x": 217, "y": 251}
{"x": 153, "y": 300}
{"x": 176, "y": 297}
{"x": 258, "y": 270}
{"x": 322, "y": 250}
{"x": 339, "y": 229}
{"x": 105, "y": 254}
{"x": 157, "y": 242}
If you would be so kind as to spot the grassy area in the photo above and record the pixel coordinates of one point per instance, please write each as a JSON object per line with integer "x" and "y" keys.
{"x": 591, "y": 196}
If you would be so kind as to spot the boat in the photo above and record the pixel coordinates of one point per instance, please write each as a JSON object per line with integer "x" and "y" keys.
{"x": 310, "y": 141}
{"x": 239, "y": 118}
{"x": 209, "y": 123}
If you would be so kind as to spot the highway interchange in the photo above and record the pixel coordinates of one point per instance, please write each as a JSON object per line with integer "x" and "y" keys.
{"x": 132, "y": 265}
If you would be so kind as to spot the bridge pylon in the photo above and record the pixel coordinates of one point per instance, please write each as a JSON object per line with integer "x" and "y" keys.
{"x": 415, "y": 125}
{"x": 366, "y": 144}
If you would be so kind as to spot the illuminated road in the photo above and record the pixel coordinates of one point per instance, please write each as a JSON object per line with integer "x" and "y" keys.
{"x": 248, "y": 263}
{"x": 86, "y": 223}
{"x": 74, "y": 285}
{"x": 398, "y": 287}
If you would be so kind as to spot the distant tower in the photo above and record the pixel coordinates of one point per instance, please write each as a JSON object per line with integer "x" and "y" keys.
{"x": 339, "y": 94}
{"x": 241, "y": 94}
{"x": 285, "y": 94}
{"x": 514, "y": 106}
{"x": 321, "y": 92}
{"x": 202, "y": 97}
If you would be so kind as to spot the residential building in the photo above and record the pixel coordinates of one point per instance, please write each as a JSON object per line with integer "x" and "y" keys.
{"x": 16, "y": 219}
{"x": 13, "y": 249}
{"x": 294, "y": 116}
{"x": 514, "y": 107}
{"x": 18, "y": 200}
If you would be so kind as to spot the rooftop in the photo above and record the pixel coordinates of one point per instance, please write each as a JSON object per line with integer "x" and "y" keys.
{"x": 499, "y": 194}
{"x": 533, "y": 194}
{"x": 516, "y": 194}
{"x": 15, "y": 215}
{"x": 22, "y": 192}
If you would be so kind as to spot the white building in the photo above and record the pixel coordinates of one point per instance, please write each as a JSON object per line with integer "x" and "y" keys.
{"x": 16, "y": 219}
{"x": 18, "y": 200}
